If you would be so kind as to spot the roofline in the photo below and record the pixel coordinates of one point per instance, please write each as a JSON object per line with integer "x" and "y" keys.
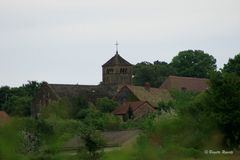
{"x": 117, "y": 54}
{"x": 72, "y": 84}
{"x": 117, "y": 65}
{"x": 48, "y": 85}
{"x": 143, "y": 102}
{"x": 139, "y": 86}
{"x": 187, "y": 77}
{"x": 130, "y": 106}
{"x": 124, "y": 86}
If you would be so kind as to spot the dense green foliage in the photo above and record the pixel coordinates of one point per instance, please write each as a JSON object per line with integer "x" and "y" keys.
{"x": 223, "y": 97}
{"x": 18, "y": 105}
{"x": 193, "y": 63}
{"x": 154, "y": 73}
{"x": 165, "y": 107}
{"x": 106, "y": 105}
{"x": 77, "y": 104}
{"x": 58, "y": 109}
{"x": 4, "y": 93}
{"x": 17, "y": 101}
{"x": 94, "y": 144}
{"x": 233, "y": 65}
{"x": 99, "y": 120}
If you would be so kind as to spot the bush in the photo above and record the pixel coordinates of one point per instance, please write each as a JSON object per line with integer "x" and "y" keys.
{"x": 166, "y": 107}
{"x": 93, "y": 144}
{"x": 59, "y": 109}
{"x": 18, "y": 105}
{"x": 105, "y": 104}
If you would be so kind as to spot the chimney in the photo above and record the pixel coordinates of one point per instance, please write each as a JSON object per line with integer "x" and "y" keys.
{"x": 147, "y": 86}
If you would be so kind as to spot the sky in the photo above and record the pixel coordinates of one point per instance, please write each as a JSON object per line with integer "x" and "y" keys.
{"x": 67, "y": 41}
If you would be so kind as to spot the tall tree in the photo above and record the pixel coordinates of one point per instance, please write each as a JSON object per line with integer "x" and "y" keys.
{"x": 233, "y": 65}
{"x": 153, "y": 73}
{"x": 223, "y": 105}
{"x": 193, "y": 63}
{"x": 18, "y": 105}
{"x": 5, "y": 93}
{"x": 105, "y": 104}
{"x": 93, "y": 143}
{"x": 17, "y": 100}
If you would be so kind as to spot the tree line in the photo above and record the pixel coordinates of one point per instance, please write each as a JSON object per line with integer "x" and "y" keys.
{"x": 189, "y": 63}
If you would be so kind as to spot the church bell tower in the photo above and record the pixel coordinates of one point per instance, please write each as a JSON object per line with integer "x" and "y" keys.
{"x": 117, "y": 70}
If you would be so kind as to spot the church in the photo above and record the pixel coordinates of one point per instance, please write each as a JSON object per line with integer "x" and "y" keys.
{"x": 116, "y": 72}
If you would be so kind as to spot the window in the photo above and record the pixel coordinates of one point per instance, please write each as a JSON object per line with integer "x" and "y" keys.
{"x": 109, "y": 71}
{"x": 123, "y": 70}
{"x": 183, "y": 89}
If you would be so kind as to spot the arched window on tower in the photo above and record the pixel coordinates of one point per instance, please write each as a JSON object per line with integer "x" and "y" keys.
{"x": 109, "y": 71}
{"x": 123, "y": 70}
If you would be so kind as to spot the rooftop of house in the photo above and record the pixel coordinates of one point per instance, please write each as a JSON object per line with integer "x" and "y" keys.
{"x": 185, "y": 83}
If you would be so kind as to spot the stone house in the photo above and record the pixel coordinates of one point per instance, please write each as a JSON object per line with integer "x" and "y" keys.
{"x": 133, "y": 110}
{"x": 185, "y": 83}
{"x": 54, "y": 92}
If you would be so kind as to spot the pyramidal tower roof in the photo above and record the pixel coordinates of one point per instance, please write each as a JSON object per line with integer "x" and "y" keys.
{"x": 117, "y": 60}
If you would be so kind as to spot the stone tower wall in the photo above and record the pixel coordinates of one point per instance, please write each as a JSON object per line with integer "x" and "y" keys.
{"x": 115, "y": 75}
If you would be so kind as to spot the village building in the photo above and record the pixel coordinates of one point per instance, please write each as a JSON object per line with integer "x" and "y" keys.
{"x": 133, "y": 110}
{"x": 130, "y": 93}
{"x": 185, "y": 84}
{"x": 53, "y": 92}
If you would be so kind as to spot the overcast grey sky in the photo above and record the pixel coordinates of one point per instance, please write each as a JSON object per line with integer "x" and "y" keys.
{"x": 67, "y": 41}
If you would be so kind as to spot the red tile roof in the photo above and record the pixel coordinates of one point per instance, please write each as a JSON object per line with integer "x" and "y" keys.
{"x": 123, "y": 109}
{"x": 185, "y": 83}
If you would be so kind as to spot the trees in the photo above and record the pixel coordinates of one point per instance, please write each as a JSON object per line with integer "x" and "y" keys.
{"x": 219, "y": 107}
{"x": 18, "y": 106}
{"x": 58, "y": 109}
{"x": 77, "y": 105}
{"x": 233, "y": 65}
{"x": 193, "y": 63}
{"x": 99, "y": 120}
{"x": 31, "y": 88}
{"x": 93, "y": 144}
{"x": 153, "y": 73}
{"x": 216, "y": 109}
{"x": 223, "y": 105}
{"x": 5, "y": 93}
{"x": 165, "y": 106}
{"x": 17, "y": 101}
{"x": 105, "y": 104}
